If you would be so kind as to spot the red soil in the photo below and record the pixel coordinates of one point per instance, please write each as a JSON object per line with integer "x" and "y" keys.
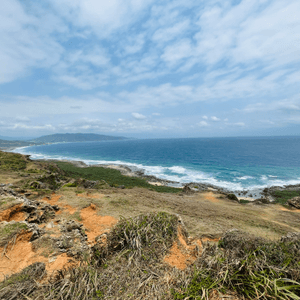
{"x": 95, "y": 224}
{"x": 20, "y": 255}
{"x": 53, "y": 199}
{"x": 182, "y": 253}
{"x": 12, "y": 214}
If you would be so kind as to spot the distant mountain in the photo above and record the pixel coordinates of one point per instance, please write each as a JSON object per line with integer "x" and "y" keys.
{"x": 75, "y": 137}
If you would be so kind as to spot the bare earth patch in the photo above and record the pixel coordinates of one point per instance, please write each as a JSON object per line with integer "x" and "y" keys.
{"x": 95, "y": 224}
{"x": 90, "y": 196}
{"x": 12, "y": 214}
{"x": 183, "y": 253}
{"x": 53, "y": 199}
{"x": 19, "y": 255}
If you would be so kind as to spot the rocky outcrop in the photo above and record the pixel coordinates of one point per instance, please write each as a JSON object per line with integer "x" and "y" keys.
{"x": 294, "y": 202}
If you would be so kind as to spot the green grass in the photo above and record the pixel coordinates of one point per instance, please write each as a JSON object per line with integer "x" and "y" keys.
{"x": 113, "y": 177}
{"x": 252, "y": 267}
{"x": 12, "y": 161}
{"x": 243, "y": 201}
{"x": 282, "y": 197}
{"x": 7, "y": 232}
{"x": 74, "y": 184}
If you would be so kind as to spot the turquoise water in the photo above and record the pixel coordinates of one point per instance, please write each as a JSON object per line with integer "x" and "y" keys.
{"x": 232, "y": 163}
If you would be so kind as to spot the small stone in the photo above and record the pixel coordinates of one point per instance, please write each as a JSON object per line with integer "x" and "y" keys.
{"x": 52, "y": 259}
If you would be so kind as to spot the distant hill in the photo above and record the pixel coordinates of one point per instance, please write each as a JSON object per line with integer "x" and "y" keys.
{"x": 75, "y": 137}
{"x": 4, "y": 144}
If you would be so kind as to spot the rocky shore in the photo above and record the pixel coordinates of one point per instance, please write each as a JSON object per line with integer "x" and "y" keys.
{"x": 263, "y": 195}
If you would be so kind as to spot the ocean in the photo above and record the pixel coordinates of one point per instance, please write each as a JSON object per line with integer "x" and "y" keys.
{"x": 233, "y": 163}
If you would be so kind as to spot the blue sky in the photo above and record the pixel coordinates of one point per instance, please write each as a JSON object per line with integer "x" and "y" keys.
{"x": 146, "y": 68}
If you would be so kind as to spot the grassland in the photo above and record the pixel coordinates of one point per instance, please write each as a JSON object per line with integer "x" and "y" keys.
{"x": 113, "y": 177}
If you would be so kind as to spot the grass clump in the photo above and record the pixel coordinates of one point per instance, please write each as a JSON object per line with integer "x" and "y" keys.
{"x": 9, "y": 231}
{"x": 143, "y": 233}
{"x": 20, "y": 285}
{"x": 113, "y": 177}
{"x": 70, "y": 184}
{"x": 282, "y": 197}
{"x": 244, "y": 201}
{"x": 252, "y": 267}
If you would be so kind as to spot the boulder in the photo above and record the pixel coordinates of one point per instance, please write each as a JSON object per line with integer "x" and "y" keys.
{"x": 295, "y": 202}
{"x": 187, "y": 190}
{"x": 232, "y": 197}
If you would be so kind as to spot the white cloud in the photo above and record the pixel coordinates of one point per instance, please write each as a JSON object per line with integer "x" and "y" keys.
{"x": 164, "y": 35}
{"x": 203, "y": 124}
{"x": 22, "y": 119}
{"x": 102, "y": 17}
{"x": 138, "y": 116}
{"x": 178, "y": 51}
{"x": 205, "y": 117}
{"x": 281, "y": 105}
{"x": 26, "y": 41}
{"x": 215, "y": 119}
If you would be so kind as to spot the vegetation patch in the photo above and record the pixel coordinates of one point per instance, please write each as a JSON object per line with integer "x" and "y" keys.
{"x": 244, "y": 201}
{"x": 113, "y": 177}
{"x": 70, "y": 184}
{"x": 20, "y": 285}
{"x": 8, "y": 231}
{"x": 282, "y": 197}
{"x": 12, "y": 161}
{"x": 143, "y": 233}
{"x": 254, "y": 268}
{"x": 43, "y": 244}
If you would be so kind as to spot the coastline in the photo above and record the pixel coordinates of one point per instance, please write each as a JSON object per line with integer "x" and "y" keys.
{"x": 251, "y": 195}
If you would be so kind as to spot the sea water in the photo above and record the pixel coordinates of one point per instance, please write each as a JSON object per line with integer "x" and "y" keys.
{"x": 231, "y": 163}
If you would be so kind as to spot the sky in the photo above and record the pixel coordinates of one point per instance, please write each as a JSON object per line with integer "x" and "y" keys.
{"x": 150, "y": 69}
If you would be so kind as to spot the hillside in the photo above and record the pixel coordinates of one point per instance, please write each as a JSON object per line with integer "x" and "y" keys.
{"x": 92, "y": 233}
{"x": 76, "y": 137}
{"x": 4, "y": 144}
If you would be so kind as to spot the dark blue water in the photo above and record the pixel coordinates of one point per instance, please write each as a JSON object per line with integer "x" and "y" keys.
{"x": 233, "y": 163}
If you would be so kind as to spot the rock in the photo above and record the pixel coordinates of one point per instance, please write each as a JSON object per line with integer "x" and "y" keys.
{"x": 232, "y": 197}
{"x": 291, "y": 237}
{"x": 72, "y": 225}
{"x": 41, "y": 215}
{"x": 52, "y": 259}
{"x": 55, "y": 207}
{"x": 295, "y": 202}
{"x": 89, "y": 184}
{"x": 187, "y": 190}
{"x": 38, "y": 185}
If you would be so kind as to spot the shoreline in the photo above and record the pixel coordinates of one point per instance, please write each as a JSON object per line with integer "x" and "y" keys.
{"x": 251, "y": 195}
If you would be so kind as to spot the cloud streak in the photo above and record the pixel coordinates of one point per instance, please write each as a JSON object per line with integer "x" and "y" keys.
{"x": 143, "y": 59}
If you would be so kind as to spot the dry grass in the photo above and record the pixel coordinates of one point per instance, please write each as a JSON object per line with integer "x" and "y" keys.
{"x": 128, "y": 265}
